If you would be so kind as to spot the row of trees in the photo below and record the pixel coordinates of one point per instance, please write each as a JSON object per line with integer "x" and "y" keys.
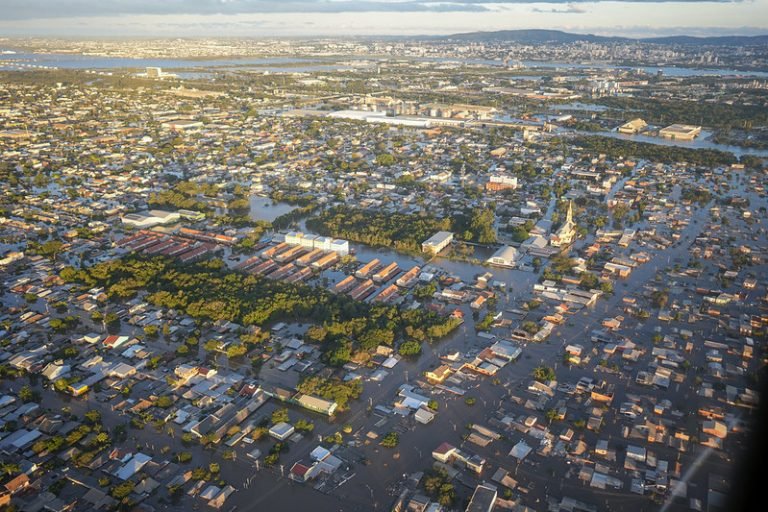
{"x": 719, "y": 115}
{"x": 378, "y": 229}
{"x": 331, "y": 389}
{"x": 654, "y": 152}
{"x": 403, "y": 232}
{"x": 184, "y": 195}
{"x": 209, "y": 292}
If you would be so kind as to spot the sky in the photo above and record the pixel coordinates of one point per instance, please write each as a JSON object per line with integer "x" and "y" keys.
{"x": 267, "y": 18}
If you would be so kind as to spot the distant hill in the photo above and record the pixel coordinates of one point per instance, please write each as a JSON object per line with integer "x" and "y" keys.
{"x": 712, "y": 41}
{"x": 531, "y": 37}
{"x": 560, "y": 37}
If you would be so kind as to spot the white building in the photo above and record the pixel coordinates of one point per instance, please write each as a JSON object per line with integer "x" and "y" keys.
{"x": 505, "y": 256}
{"x": 281, "y": 431}
{"x": 340, "y": 247}
{"x": 150, "y": 218}
{"x": 437, "y": 242}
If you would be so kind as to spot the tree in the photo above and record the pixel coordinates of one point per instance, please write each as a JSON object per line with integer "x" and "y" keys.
{"x": 331, "y": 389}
{"x": 543, "y": 373}
{"x": 9, "y": 468}
{"x": 410, "y": 348}
{"x": 236, "y": 350}
{"x": 390, "y": 440}
{"x": 385, "y": 159}
{"x": 589, "y": 281}
{"x": 92, "y": 417}
{"x": 303, "y": 425}
{"x": 51, "y": 249}
{"x": 447, "y": 494}
{"x": 211, "y": 345}
{"x": 164, "y": 402}
{"x": 27, "y": 395}
{"x": 280, "y": 416}
{"x": 61, "y": 385}
{"x": 552, "y": 415}
{"x": 122, "y": 490}
{"x": 436, "y": 484}
{"x": 481, "y": 225}
{"x": 660, "y": 298}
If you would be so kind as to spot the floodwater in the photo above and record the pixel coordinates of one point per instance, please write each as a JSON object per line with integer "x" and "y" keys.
{"x": 588, "y": 107}
{"x": 701, "y": 142}
{"x": 516, "y": 280}
{"x": 73, "y": 61}
{"x": 672, "y": 71}
{"x": 263, "y": 208}
{"x": 70, "y": 61}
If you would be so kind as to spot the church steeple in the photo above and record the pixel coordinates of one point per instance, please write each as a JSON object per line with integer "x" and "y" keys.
{"x": 566, "y": 234}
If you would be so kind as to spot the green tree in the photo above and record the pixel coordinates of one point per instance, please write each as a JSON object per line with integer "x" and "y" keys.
{"x": 26, "y": 394}
{"x": 410, "y": 348}
{"x": 390, "y": 440}
{"x": 543, "y": 373}
{"x": 280, "y": 416}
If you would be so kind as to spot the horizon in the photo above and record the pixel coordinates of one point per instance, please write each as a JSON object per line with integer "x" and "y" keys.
{"x": 379, "y": 18}
{"x": 317, "y": 37}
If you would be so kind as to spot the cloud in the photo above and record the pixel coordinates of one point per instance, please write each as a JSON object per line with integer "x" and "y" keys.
{"x": 37, "y": 9}
{"x": 570, "y": 9}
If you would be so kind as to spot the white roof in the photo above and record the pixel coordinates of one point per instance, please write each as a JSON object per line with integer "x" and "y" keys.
{"x": 319, "y": 453}
{"x": 520, "y": 450}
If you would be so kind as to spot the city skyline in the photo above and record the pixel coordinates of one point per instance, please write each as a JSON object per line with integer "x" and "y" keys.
{"x": 267, "y": 18}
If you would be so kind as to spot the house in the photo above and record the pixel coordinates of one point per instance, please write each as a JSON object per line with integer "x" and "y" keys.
{"x": 520, "y": 451}
{"x": 715, "y": 428}
{"x": 301, "y": 472}
{"x": 115, "y": 341}
{"x": 483, "y": 499}
{"x": 444, "y": 453}
{"x": 17, "y": 484}
{"x": 315, "y": 404}
{"x": 281, "y": 431}
{"x": 424, "y": 416}
{"x": 55, "y": 370}
{"x": 439, "y": 374}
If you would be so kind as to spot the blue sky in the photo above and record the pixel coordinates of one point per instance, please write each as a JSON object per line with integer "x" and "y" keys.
{"x": 376, "y": 17}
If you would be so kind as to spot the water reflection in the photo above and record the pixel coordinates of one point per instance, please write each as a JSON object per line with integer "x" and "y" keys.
{"x": 263, "y": 208}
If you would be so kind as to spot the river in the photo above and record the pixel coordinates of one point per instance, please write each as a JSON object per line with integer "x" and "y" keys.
{"x": 673, "y": 71}
{"x": 75, "y": 61}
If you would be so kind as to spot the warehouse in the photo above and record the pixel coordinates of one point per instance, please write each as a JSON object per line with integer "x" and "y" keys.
{"x": 504, "y": 257}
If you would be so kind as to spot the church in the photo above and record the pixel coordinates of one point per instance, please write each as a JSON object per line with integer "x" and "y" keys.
{"x": 566, "y": 234}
